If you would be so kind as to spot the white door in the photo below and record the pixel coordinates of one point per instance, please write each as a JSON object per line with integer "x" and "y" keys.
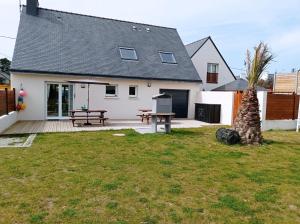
{"x": 59, "y": 100}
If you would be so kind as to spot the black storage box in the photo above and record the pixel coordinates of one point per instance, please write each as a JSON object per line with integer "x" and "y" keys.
{"x": 209, "y": 113}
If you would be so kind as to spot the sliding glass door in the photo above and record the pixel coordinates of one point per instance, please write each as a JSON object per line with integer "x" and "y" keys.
{"x": 52, "y": 100}
{"x": 66, "y": 99}
{"x": 59, "y": 100}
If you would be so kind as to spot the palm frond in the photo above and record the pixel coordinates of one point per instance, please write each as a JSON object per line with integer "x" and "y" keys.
{"x": 257, "y": 65}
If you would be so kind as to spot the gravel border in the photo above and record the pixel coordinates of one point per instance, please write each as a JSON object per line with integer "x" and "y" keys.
{"x": 26, "y": 144}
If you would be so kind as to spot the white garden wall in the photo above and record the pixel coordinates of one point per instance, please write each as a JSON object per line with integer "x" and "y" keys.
{"x": 279, "y": 125}
{"x": 7, "y": 120}
{"x": 226, "y": 99}
{"x": 223, "y": 98}
{"x": 262, "y": 100}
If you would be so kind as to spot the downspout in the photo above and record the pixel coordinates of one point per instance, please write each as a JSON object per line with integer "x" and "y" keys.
{"x": 297, "y": 81}
{"x": 274, "y": 81}
{"x": 297, "y": 86}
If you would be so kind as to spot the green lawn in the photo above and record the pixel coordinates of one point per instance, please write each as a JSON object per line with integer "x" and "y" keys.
{"x": 184, "y": 177}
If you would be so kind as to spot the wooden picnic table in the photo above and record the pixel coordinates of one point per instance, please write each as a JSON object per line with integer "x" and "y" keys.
{"x": 144, "y": 114}
{"x": 145, "y": 110}
{"x": 88, "y": 115}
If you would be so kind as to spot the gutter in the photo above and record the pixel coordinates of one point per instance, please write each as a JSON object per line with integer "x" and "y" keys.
{"x": 102, "y": 76}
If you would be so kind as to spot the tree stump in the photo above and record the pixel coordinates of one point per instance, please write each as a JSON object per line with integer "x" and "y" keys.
{"x": 227, "y": 136}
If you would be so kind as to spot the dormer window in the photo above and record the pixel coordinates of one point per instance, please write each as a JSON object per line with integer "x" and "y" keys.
{"x": 128, "y": 53}
{"x": 167, "y": 57}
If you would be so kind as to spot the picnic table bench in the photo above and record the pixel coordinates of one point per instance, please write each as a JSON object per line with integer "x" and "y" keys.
{"x": 88, "y": 115}
{"x": 146, "y": 114}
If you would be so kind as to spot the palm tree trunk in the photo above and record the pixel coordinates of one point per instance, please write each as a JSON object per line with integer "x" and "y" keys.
{"x": 247, "y": 122}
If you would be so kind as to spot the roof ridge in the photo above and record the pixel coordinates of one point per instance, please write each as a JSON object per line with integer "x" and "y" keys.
{"x": 205, "y": 38}
{"x": 99, "y": 17}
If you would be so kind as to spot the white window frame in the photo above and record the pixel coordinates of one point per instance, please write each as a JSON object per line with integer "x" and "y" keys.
{"x": 112, "y": 95}
{"x": 210, "y": 66}
{"x": 71, "y": 98}
{"x": 136, "y": 91}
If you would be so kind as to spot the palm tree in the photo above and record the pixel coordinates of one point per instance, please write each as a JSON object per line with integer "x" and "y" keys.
{"x": 247, "y": 122}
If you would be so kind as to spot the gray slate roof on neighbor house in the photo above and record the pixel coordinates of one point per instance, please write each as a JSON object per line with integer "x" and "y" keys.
{"x": 67, "y": 43}
{"x": 192, "y": 48}
{"x": 237, "y": 85}
{"x": 4, "y": 78}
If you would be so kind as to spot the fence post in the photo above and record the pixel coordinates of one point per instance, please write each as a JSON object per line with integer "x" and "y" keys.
{"x": 6, "y": 100}
{"x": 294, "y": 106}
{"x": 14, "y": 92}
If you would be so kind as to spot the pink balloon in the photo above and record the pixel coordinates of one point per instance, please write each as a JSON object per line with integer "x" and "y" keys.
{"x": 22, "y": 93}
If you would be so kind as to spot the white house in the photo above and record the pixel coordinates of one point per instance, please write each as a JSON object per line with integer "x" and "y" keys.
{"x": 136, "y": 60}
{"x": 210, "y": 64}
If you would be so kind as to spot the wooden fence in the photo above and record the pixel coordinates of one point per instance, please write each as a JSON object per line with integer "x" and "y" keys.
{"x": 287, "y": 82}
{"x": 281, "y": 106}
{"x": 236, "y": 103}
{"x": 4, "y": 86}
{"x": 7, "y": 101}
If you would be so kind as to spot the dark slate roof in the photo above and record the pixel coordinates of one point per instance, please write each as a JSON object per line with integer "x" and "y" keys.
{"x": 192, "y": 48}
{"x": 236, "y": 85}
{"x": 67, "y": 43}
{"x": 5, "y": 75}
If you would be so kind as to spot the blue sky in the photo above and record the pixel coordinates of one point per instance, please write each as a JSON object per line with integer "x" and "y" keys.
{"x": 234, "y": 25}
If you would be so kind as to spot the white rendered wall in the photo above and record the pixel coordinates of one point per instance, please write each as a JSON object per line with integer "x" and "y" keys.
{"x": 223, "y": 98}
{"x": 7, "y": 120}
{"x": 279, "y": 125}
{"x": 226, "y": 99}
{"x": 209, "y": 54}
{"x": 262, "y": 100}
{"x": 121, "y": 107}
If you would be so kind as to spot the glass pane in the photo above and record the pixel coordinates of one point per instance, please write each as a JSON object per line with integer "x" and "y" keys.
{"x": 167, "y": 57}
{"x": 52, "y": 100}
{"x": 212, "y": 68}
{"x": 209, "y": 68}
{"x": 127, "y": 53}
{"x": 110, "y": 90}
{"x": 216, "y": 68}
{"x": 132, "y": 90}
{"x": 66, "y": 95}
{"x": 71, "y": 97}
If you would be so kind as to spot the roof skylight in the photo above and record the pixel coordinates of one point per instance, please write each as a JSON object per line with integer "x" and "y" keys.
{"x": 128, "y": 53}
{"x": 167, "y": 57}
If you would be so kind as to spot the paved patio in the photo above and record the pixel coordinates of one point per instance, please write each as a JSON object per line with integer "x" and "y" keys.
{"x": 28, "y": 127}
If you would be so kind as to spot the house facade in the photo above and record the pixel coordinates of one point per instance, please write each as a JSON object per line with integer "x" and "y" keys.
{"x": 136, "y": 61}
{"x": 122, "y": 105}
{"x": 210, "y": 64}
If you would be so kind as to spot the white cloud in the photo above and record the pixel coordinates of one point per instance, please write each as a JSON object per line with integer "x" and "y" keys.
{"x": 286, "y": 41}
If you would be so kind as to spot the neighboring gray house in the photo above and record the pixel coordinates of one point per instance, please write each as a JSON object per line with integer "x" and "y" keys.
{"x": 4, "y": 78}
{"x": 210, "y": 64}
{"x": 237, "y": 85}
{"x": 137, "y": 60}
